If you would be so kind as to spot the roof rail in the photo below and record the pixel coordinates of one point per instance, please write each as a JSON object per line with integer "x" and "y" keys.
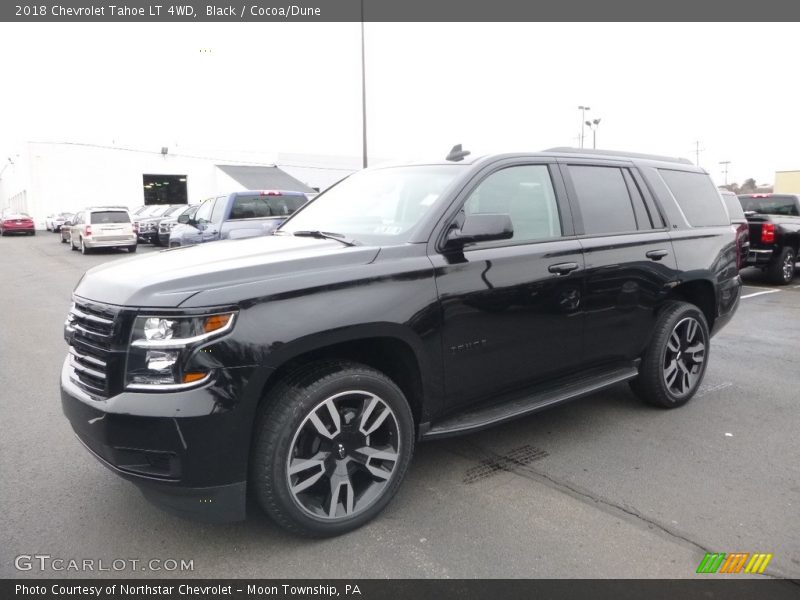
{"x": 620, "y": 153}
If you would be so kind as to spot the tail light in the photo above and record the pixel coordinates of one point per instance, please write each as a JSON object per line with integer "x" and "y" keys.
{"x": 88, "y": 230}
{"x": 768, "y": 233}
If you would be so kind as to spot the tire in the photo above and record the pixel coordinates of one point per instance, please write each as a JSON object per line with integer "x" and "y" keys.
{"x": 84, "y": 249}
{"x": 296, "y": 422}
{"x": 133, "y": 248}
{"x": 673, "y": 368}
{"x": 781, "y": 272}
{"x": 32, "y": 232}
{"x": 63, "y": 241}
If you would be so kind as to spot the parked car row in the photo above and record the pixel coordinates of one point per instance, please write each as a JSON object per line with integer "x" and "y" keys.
{"x": 230, "y": 216}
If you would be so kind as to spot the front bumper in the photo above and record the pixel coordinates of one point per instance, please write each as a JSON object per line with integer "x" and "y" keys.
{"x": 148, "y": 237}
{"x": 185, "y": 453}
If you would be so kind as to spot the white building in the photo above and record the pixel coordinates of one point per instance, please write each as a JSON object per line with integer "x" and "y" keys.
{"x": 45, "y": 178}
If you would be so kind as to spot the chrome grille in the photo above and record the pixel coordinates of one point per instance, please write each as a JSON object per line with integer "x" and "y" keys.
{"x": 91, "y": 329}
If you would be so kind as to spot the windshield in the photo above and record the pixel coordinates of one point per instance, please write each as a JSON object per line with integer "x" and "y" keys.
{"x": 175, "y": 209}
{"x": 770, "y": 205}
{"x": 379, "y": 206}
{"x": 158, "y": 210}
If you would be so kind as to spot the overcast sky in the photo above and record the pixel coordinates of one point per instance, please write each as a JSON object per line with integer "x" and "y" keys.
{"x": 294, "y": 87}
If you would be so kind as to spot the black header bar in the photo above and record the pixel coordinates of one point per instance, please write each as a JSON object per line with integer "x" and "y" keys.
{"x": 150, "y": 11}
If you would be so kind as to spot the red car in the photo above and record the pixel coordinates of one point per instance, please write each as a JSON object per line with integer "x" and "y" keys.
{"x": 17, "y": 223}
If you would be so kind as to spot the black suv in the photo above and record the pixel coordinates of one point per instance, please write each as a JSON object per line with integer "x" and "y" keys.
{"x": 404, "y": 303}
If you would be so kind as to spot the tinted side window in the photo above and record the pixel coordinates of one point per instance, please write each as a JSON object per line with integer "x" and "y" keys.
{"x": 698, "y": 198}
{"x": 603, "y": 198}
{"x": 526, "y": 194}
{"x": 643, "y": 218}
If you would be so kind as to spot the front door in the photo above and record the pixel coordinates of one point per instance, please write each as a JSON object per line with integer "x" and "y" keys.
{"x": 512, "y": 309}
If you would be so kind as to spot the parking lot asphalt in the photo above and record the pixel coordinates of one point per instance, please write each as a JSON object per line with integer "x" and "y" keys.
{"x": 601, "y": 487}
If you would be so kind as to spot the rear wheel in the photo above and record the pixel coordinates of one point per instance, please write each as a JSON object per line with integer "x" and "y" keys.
{"x": 84, "y": 249}
{"x": 133, "y": 248}
{"x": 674, "y": 363}
{"x": 781, "y": 271}
{"x": 333, "y": 443}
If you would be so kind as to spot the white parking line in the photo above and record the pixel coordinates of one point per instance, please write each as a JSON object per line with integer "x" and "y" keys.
{"x": 796, "y": 286}
{"x": 760, "y": 293}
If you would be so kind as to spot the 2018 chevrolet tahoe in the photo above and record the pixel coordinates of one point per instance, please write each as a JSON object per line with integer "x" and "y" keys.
{"x": 403, "y": 304}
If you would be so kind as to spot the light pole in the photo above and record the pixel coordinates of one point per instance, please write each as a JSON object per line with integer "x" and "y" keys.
{"x": 593, "y": 126}
{"x": 363, "y": 93}
{"x": 583, "y": 110}
{"x": 725, "y": 163}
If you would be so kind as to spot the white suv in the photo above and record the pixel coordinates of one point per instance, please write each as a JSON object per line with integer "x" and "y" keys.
{"x": 102, "y": 227}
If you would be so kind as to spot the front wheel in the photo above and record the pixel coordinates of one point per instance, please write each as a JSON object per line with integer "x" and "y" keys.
{"x": 675, "y": 362}
{"x": 333, "y": 443}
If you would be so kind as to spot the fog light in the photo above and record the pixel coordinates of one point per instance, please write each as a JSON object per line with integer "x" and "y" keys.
{"x": 158, "y": 329}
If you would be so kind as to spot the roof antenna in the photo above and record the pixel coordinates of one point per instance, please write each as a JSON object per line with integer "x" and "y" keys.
{"x": 457, "y": 154}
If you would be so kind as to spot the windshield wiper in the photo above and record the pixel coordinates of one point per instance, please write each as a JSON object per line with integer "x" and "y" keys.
{"x": 326, "y": 235}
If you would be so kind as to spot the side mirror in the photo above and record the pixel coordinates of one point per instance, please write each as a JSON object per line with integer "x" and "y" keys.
{"x": 481, "y": 228}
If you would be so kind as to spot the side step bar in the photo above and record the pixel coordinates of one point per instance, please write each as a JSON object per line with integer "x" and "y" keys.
{"x": 531, "y": 402}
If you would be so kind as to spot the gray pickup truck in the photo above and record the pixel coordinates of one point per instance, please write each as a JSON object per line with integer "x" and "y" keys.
{"x": 774, "y": 222}
{"x": 236, "y": 215}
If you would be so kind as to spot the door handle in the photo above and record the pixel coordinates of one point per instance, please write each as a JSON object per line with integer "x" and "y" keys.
{"x": 656, "y": 254}
{"x": 562, "y": 268}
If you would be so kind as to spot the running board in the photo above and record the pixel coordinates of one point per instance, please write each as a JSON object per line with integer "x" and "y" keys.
{"x": 518, "y": 406}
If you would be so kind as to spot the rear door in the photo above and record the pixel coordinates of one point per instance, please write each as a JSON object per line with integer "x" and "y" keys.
{"x": 629, "y": 260}
{"x": 511, "y": 317}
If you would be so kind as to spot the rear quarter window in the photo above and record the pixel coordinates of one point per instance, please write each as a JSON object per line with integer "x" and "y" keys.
{"x": 110, "y": 216}
{"x": 697, "y": 197}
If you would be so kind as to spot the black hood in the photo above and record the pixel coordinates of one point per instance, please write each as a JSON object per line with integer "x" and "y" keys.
{"x": 170, "y": 277}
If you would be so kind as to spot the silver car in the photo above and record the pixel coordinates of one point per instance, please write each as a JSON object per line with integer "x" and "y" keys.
{"x": 102, "y": 227}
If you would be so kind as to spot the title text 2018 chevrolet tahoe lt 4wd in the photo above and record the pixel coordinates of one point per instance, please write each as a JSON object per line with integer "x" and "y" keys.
{"x": 404, "y": 303}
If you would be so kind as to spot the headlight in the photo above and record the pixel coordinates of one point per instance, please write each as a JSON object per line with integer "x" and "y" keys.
{"x": 160, "y": 347}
